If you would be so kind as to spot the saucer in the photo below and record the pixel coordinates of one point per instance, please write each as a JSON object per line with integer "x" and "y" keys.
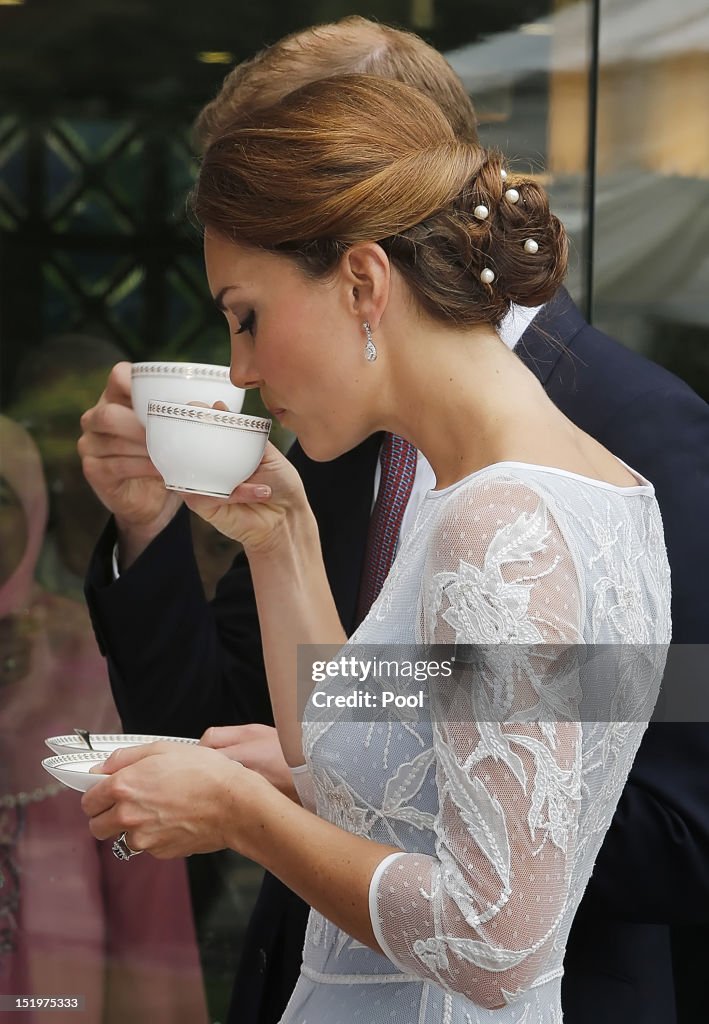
{"x": 106, "y": 743}
{"x": 73, "y": 769}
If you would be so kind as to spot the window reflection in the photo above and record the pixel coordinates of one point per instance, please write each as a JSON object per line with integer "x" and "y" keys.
{"x": 651, "y": 273}
{"x": 530, "y": 85}
{"x": 72, "y": 919}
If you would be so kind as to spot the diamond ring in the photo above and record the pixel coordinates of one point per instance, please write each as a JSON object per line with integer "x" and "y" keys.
{"x": 122, "y": 850}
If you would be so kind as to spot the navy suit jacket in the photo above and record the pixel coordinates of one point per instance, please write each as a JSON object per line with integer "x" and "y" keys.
{"x": 179, "y": 664}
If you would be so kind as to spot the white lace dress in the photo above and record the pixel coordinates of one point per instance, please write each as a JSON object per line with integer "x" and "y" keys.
{"x": 501, "y": 806}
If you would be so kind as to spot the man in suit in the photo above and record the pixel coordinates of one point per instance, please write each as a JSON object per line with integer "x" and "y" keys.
{"x": 180, "y": 664}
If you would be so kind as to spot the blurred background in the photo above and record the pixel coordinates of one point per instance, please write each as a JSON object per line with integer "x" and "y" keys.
{"x": 604, "y": 100}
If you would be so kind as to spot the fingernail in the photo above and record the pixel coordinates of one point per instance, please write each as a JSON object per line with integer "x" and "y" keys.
{"x": 262, "y": 492}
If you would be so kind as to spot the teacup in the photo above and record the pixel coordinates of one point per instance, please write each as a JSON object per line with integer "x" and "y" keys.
{"x": 204, "y": 451}
{"x": 182, "y": 382}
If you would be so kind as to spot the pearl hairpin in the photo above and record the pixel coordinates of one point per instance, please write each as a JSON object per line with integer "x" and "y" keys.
{"x": 487, "y": 276}
{"x": 481, "y": 212}
{"x": 512, "y": 195}
{"x": 531, "y": 246}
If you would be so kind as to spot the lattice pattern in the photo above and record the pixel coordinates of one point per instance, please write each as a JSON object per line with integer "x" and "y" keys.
{"x": 95, "y": 229}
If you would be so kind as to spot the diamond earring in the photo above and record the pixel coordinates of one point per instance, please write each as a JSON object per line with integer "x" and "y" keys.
{"x": 370, "y": 349}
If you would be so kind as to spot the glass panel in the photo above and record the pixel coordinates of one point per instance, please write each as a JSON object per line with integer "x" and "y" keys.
{"x": 93, "y": 271}
{"x": 95, "y": 242}
{"x": 125, "y": 306}
{"x": 62, "y": 173}
{"x": 182, "y": 169}
{"x": 92, "y": 212}
{"x": 13, "y": 170}
{"x": 125, "y": 175}
{"x": 61, "y": 303}
{"x": 186, "y": 308}
{"x": 529, "y": 83}
{"x": 651, "y": 272}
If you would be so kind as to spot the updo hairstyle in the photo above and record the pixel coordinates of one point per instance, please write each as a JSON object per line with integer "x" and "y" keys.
{"x": 359, "y": 158}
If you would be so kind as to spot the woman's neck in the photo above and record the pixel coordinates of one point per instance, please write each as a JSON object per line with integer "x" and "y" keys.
{"x": 465, "y": 400}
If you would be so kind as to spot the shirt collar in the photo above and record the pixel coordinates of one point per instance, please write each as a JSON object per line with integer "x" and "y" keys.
{"x": 515, "y": 323}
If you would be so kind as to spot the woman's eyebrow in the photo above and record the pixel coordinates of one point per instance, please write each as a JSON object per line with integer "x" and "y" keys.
{"x": 219, "y": 297}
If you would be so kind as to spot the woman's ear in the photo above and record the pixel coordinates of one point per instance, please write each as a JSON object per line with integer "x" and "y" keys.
{"x": 367, "y": 275}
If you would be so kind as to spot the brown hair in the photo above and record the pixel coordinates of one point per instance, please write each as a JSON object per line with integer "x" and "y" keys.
{"x": 359, "y": 158}
{"x": 353, "y": 45}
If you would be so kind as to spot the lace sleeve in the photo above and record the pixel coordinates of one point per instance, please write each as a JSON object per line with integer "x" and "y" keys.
{"x": 303, "y": 782}
{"x": 480, "y": 917}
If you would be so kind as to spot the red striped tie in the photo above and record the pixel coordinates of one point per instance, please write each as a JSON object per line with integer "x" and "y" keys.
{"x": 398, "y": 468}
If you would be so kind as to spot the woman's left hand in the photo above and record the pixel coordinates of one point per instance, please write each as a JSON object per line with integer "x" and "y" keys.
{"x": 260, "y": 510}
{"x": 172, "y": 801}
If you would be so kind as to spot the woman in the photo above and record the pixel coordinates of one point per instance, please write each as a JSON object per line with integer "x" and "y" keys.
{"x": 362, "y": 258}
{"x": 71, "y": 921}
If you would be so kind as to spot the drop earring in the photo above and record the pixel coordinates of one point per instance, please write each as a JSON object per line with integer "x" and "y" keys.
{"x": 370, "y": 349}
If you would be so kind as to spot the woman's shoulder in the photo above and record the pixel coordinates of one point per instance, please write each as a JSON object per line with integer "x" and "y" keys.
{"x": 502, "y": 491}
{"x": 493, "y": 517}
{"x": 536, "y": 477}
{"x": 516, "y": 506}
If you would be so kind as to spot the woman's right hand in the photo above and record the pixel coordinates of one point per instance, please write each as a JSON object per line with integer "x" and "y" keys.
{"x": 116, "y": 463}
{"x": 259, "y": 512}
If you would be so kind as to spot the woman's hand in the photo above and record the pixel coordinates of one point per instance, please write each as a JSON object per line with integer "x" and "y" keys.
{"x": 117, "y": 467}
{"x": 257, "y": 747}
{"x": 171, "y": 800}
{"x": 116, "y": 463}
{"x": 258, "y": 511}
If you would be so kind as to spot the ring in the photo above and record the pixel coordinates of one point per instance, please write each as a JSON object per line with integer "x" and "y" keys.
{"x": 122, "y": 850}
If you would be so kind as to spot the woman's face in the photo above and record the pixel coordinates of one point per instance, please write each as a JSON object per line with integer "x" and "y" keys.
{"x": 13, "y": 531}
{"x": 297, "y": 340}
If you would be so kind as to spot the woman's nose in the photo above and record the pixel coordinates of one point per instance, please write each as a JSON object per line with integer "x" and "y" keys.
{"x": 239, "y": 381}
{"x": 242, "y": 373}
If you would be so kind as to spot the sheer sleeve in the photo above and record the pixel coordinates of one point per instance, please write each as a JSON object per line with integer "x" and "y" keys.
{"x": 480, "y": 917}
{"x": 304, "y": 787}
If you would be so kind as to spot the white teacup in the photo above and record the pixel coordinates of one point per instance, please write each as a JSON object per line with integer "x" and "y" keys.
{"x": 204, "y": 451}
{"x": 182, "y": 382}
